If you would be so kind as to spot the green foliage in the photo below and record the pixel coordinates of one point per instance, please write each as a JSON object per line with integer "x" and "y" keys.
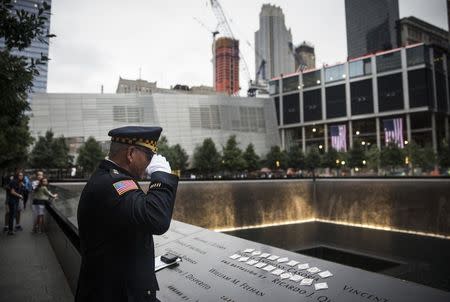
{"x": 296, "y": 158}
{"x": 206, "y": 157}
{"x": 179, "y": 160}
{"x": 50, "y": 152}
{"x": 18, "y": 28}
{"x": 420, "y": 157}
{"x": 232, "y": 158}
{"x": 252, "y": 159}
{"x": 444, "y": 155}
{"x": 391, "y": 157}
{"x": 175, "y": 155}
{"x": 312, "y": 160}
{"x": 330, "y": 158}
{"x": 356, "y": 155}
{"x": 89, "y": 155}
{"x": 373, "y": 157}
{"x": 163, "y": 147}
{"x": 276, "y": 159}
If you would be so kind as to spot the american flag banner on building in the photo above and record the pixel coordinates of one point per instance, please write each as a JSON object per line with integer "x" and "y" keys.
{"x": 393, "y": 131}
{"x": 339, "y": 137}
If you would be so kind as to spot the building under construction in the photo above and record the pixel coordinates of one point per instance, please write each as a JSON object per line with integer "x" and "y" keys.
{"x": 227, "y": 65}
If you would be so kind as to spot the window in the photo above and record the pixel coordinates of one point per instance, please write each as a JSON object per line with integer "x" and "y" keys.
{"x": 420, "y": 88}
{"x": 290, "y": 84}
{"x": 335, "y": 100}
{"x": 441, "y": 91}
{"x": 311, "y": 79}
{"x": 312, "y": 105}
{"x": 274, "y": 87}
{"x": 389, "y": 61}
{"x": 128, "y": 114}
{"x": 291, "y": 109}
{"x": 416, "y": 55}
{"x": 390, "y": 92}
{"x": 361, "y": 93}
{"x": 335, "y": 73}
{"x": 360, "y": 68}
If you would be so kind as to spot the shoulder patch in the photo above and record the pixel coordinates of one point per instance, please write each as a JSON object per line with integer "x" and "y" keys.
{"x": 124, "y": 186}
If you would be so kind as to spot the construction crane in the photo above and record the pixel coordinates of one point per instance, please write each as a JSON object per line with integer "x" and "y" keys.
{"x": 213, "y": 48}
{"x": 225, "y": 29}
{"x": 256, "y": 86}
{"x": 213, "y": 32}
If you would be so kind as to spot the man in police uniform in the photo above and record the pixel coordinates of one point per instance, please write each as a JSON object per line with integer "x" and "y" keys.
{"x": 117, "y": 218}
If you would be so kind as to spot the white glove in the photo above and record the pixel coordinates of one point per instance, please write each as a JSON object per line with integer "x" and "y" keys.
{"x": 158, "y": 163}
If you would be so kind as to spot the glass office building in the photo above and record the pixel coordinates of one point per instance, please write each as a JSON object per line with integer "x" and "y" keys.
{"x": 371, "y": 26}
{"x": 186, "y": 119}
{"x": 365, "y": 96}
{"x": 37, "y": 47}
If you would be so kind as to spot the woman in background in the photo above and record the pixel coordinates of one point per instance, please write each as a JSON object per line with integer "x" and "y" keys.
{"x": 41, "y": 196}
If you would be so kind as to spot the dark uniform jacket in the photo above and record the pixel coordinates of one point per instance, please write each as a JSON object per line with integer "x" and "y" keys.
{"x": 116, "y": 221}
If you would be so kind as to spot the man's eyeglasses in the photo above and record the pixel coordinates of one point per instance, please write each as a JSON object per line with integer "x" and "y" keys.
{"x": 148, "y": 153}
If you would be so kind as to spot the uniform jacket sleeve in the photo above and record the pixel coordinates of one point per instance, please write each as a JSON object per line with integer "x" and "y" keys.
{"x": 151, "y": 211}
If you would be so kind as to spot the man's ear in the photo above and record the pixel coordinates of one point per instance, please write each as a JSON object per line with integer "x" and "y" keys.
{"x": 130, "y": 151}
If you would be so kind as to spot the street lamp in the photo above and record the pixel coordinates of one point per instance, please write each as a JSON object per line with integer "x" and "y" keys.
{"x": 277, "y": 163}
{"x": 364, "y": 162}
{"x": 343, "y": 162}
{"x": 320, "y": 147}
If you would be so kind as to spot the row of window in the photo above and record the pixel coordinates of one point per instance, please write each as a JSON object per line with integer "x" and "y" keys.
{"x": 390, "y": 97}
{"x": 359, "y": 68}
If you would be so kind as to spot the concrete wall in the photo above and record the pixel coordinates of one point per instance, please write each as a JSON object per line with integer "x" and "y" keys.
{"x": 411, "y": 205}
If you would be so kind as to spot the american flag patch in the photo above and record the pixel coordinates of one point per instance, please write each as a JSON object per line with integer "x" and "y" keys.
{"x": 125, "y": 186}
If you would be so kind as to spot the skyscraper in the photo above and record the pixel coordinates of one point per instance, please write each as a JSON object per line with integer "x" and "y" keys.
{"x": 37, "y": 48}
{"x": 272, "y": 43}
{"x": 227, "y": 65}
{"x": 370, "y": 26}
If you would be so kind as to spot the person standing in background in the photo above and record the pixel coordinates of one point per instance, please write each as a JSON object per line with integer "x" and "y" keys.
{"x": 28, "y": 190}
{"x": 17, "y": 189}
{"x": 41, "y": 196}
{"x": 34, "y": 184}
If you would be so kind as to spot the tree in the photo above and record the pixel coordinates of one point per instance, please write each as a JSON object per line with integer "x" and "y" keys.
{"x": 276, "y": 158}
{"x": 232, "y": 159}
{"x": 175, "y": 155}
{"x": 296, "y": 158}
{"x": 330, "y": 158}
{"x": 356, "y": 155}
{"x": 50, "y": 152}
{"x": 163, "y": 146}
{"x": 420, "y": 157}
{"x": 89, "y": 155}
{"x": 373, "y": 157}
{"x": 17, "y": 29}
{"x": 444, "y": 155}
{"x": 391, "y": 157}
{"x": 312, "y": 160}
{"x": 252, "y": 160}
{"x": 179, "y": 161}
{"x": 206, "y": 157}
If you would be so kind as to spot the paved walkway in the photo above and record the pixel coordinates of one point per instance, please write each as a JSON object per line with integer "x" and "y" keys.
{"x": 29, "y": 269}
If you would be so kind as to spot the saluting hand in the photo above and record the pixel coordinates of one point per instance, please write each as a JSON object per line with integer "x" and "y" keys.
{"x": 158, "y": 163}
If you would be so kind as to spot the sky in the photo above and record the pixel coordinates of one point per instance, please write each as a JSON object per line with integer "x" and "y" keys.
{"x": 99, "y": 41}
